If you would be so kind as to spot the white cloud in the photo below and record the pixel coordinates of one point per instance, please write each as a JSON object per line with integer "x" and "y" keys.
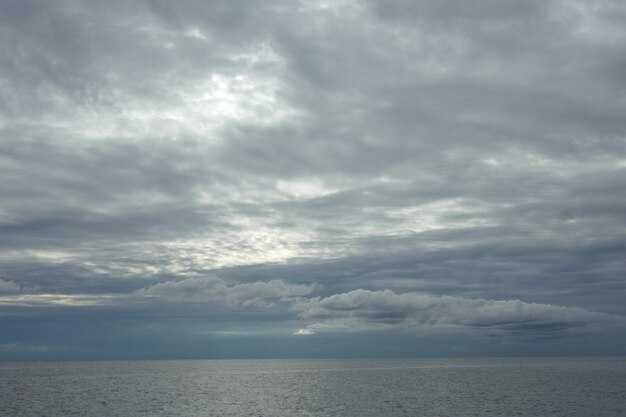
{"x": 368, "y": 310}
{"x": 64, "y": 300}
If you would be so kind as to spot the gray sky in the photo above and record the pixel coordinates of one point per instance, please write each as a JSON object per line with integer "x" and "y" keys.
{"x": 202, "y": 179}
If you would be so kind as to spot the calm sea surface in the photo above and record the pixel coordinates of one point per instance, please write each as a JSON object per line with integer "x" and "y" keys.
{"x": 408, "y": 387}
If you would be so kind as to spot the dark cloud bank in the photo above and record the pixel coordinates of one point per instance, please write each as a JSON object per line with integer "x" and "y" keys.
{"x": 312, "y": 179}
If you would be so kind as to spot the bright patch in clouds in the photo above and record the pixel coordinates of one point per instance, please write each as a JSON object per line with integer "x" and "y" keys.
{"x": 200, "y": 107}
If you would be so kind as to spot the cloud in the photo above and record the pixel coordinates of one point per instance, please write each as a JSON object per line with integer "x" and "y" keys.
{"x": 215, "y": 289}
{"x": 474, "y": 151}
{"x": 8, "y": 286}
{"x": 360, "y": 310}
{"x": 58, "y": 300}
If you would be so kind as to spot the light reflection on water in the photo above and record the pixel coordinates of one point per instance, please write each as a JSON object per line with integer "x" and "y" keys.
{"x": 393, "y": 387}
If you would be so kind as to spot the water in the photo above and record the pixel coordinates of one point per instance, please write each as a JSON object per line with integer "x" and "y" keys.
{"x": 410, "y": 387}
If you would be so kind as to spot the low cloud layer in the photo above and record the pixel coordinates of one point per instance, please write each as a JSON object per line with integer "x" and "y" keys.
{"x": 216, "y": 290}
{"x": 362, "y": 310}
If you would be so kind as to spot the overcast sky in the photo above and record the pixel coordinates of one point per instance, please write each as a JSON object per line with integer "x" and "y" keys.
{"x": 210, "y": 179}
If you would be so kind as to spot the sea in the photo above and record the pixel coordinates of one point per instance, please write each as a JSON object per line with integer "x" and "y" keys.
{"x": 585, "y": 387}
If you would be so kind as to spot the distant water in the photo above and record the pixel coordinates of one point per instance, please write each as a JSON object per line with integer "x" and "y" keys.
{"x": 409, "y": 387}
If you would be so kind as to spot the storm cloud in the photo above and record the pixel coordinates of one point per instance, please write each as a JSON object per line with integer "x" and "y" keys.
{"x": 310, "y": 166}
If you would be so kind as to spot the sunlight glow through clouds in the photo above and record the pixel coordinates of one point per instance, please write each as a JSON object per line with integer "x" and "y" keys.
{"x": 196, "y": 108}
{"x": 305, "y": 189}
{"x": 169, "y": 105}
{"x": 432, "y": 216}
{"x": 49, "y": 256}
{"x": 252, "y": 243}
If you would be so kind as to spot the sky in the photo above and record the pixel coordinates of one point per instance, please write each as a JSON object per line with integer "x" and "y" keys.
{"x": 312, "y": 179}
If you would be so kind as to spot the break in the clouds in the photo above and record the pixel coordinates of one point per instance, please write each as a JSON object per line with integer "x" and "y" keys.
{"x": 176, "y": 178}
